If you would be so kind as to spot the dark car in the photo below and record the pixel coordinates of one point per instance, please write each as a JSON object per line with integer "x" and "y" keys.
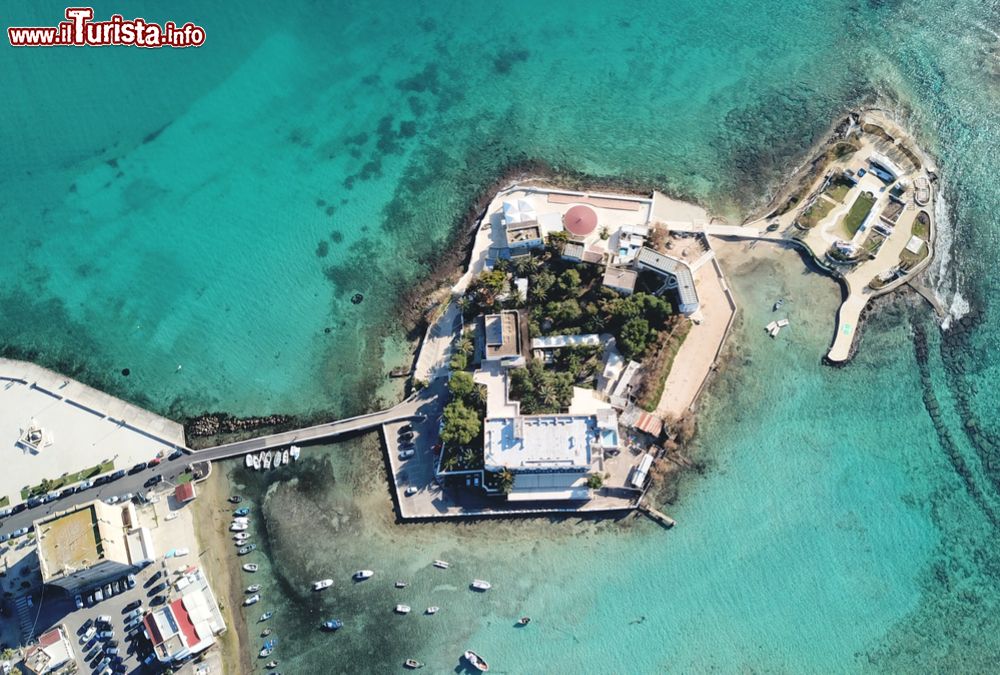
{"x": 157, "y": 589}
{"x": 101, "y": 480}
{"x": 153, "y": 577}
{"x": 85, "y": 627}
{"x": 176, "y": 454}
{"x": 153, "y": 480}
{"x": 118, "y": 474}
{"x": 17, "y": 508}
{"x": 158, "y": 600}
{"x": 406, "y": 436}
{"x": 67, "y": 492}
{"x": 141, "y": 466}
{"x": 34, "y": 501}
{"x": 135, "y": 604}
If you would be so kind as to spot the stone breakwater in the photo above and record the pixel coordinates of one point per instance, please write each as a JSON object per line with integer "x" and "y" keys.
{"x": 213, "y": 424}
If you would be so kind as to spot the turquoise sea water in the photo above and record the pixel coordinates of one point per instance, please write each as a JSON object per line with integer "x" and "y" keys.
{"x": 217, "y": 208}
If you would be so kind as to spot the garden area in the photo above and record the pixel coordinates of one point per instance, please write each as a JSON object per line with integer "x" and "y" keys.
{"x": 816, "y": 212}
{"x": 48, "y": 485}
{"x": 860, "y": 209}
{"x": 462, "y": 427}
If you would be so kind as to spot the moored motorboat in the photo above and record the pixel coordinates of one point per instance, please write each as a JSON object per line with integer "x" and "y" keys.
{"x": 400, "y": 584}
{"x": 249, "y": 460}
{"x": 480, "y": 585}
{"x": 266, "y": 615}
{"x": 524, "y": 621}
{"x": 250, "y": 567}
{"x": 235, "y": 499}
{"x": 238, "y": 527}
{"x": 321, "y": 584}
{"x": 271, "y": 664}
{"x": 257, "y": 459}
{"x": 253, "y": 588}
{"x": 249, "y": 548}
{"x": 277, "y": 459}
{"x": 252, "y": 600}
{"x": 242, "y": 511}
{"x": 778, "y": 304}
{"x": 402, "y": 609}
{"x": 268, "y": 648}
{"x": 285, "y": 457}
{"x": 442, "y": 564}
{"x": 266, "y": 462}
{"x": 412, "y": 664}
{"x": 332, "y": 624}
{"x": 240, "y": 536}
{"x": 361, "y": 575}
{"x": 294, "y": 451}
{"x": 476, "y": 661}
{"x": 265, "y": 632}
{"x": 431, "y": 610}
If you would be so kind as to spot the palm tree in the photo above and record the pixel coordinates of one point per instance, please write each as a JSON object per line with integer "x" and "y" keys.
{"x": 465, "y": 345}
{"x": 506, "y": 481}
{"x": 548, "y": 394}
{"x": 450, "y": 463}
{"x": 468, "y": 457}
{"x": 526, "y": 265}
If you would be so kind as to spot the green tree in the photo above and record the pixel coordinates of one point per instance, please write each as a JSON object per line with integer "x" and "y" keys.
{"x": 459, "y": 361}
{"x": 569, "y": 282}
{"x": 506, "y": 481}
{"x": 539, "y": 286}
{"x": 526, "y": 265}
{"x": 461, "y": 424}
{"x": 450, "y": 463}
{"x": 595, "y": 481}
{"x": 461, "y": 385}
{"x": 634, "y": 338}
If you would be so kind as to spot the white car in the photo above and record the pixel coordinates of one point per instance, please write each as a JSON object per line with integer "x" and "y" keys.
{"x": 412, "y": 490}
{"x": 127, "y": 497}
{"x": 113, "y": 499}
{"x": 78, "y": 599}
{"x": 20, "y": 532}
{"x": 406, "y": 454}
{"x": 85, "y": 485}
{"x": 91, "y": 632}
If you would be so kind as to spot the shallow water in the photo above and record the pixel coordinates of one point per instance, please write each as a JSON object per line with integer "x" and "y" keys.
{"x": 216, "y": 209}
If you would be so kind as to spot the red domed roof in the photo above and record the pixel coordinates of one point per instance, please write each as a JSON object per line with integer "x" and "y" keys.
{"x": 580, "y": 220}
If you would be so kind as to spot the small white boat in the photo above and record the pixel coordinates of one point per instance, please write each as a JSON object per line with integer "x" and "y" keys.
{"x": 277, "y": 460}
{"x": 241, "y": 536}
{"x": 249, "y": 460}
{"x": 265, "y": 652}
{"x": 256, "y": 462}
{"x": 361, "y": 575}
{"x": 402, "y": 609}
{"x": 778, "y": 304}
{"x": 238, "y": 527}
{"x": 250, "y": 567}
{"x": 441, "y": 564}
{"x": 782, "y": 323}
{"x": 252, "y": 600}
{"x": 265, "y": 616}
{"x": 480, "y": 585}
{"x": 241, "y": 519}
{"x": 170, "y": 516}
{"x": 401, "y": 584}
{"x": 476, "y": 661}
{"x": 321, "y": 584}
{"x": 284, "y": 457}
{"x": 294, "y": 451}
{"x": 253, "y": 588}
{"x": 431, "y": 610}
{"x": 267, "y": 459}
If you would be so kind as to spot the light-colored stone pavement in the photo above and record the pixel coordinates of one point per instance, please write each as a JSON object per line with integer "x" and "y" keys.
{"x": 86, "y": 426}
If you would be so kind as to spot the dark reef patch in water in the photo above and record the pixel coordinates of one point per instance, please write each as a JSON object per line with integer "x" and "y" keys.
{"x": 427, "y": 80}
{"x": 322, "y": 249}
{"x": 507, "y": 58}
{"x": 149, "y": 138}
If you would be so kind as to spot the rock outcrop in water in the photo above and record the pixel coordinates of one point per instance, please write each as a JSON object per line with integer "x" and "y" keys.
{"x": 212, "y": 424}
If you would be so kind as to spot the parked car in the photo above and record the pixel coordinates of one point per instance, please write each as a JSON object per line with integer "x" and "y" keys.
{"x": 117, "y": 587}
{"x": 98, "y": 595}
{"x": 405, "y": 435}
{"x": 149, "y": 659}
{"x": 125, "y": 498}
{"x": 34, "y": 501}
{"x": 20, "y": 532}
{"x": 406, "y": 454}
{"x": 105, "y": 619}
{"x": 4, "y": 537}
{"x": 135, "y": 604}
{"x": 412, "y": 490}
{"x": 137, "y": 468}
{"x": 176, "y": 454}
{"x": 105, "y": 662}
{"x": 87, "y": 635}
{"x": 130, "y": 580}
{"x": 153, "y": 480}
{"x": 107, "y": 591}
{"x": 67, "y": 492}
{"x": 153, "y": 462}
{"x": 159, "y": 588}
{"x": 87, "y": 625}
{"x": 101, "y": 480}
{"x": 113, "y": 499}
{"x": 106, "y": 634}
{"x": 118, "y": 474}
{"x": 111, "y": 651}
{"x": 78, "y": 600}
{"x": 17, "y": 508}
{"x": 85, "y": 485}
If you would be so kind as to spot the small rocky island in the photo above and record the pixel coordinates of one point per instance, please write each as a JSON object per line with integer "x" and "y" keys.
{"x": 572, "y": 350}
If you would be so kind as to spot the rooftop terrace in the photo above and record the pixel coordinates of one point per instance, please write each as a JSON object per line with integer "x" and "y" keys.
{"x": 539, "y": 442}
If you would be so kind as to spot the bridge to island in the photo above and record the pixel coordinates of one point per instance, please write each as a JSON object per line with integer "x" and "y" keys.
{"x": 423, "y": 403}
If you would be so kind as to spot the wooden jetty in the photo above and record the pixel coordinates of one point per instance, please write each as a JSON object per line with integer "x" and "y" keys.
{"x": 657, "y": 516}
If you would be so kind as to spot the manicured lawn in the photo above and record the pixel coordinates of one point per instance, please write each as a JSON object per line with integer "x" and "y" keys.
{"x": 838, "y": 191}
{"x": 68, "y": 479}
{"x": 815, "y": 213}
{"x": 922, "y": 226}
{"x": 859, "y": 211}
{"x": 4, "y": 501}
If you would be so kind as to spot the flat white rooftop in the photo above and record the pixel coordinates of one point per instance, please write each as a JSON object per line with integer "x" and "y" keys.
{"x": 539, "y": 442}
{"x": 559, "y": 341}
